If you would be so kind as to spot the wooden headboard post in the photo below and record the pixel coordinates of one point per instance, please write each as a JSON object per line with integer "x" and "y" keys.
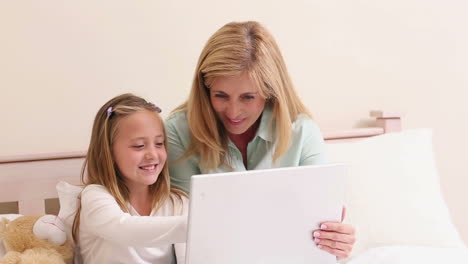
{"x": 390, "y": 122}
{"x": 386, "y": 122}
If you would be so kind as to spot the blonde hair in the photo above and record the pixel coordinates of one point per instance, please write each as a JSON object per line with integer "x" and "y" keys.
{"x": 100, "y": 167}
{"x": 234, "y": 49}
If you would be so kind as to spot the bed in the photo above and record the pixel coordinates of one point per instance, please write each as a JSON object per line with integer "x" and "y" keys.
{"x": 393, "y": 195}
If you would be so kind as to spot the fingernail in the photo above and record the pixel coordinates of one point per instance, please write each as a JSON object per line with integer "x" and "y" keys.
{"x": 316, "y": 234}
{"x": 317, "y": 240}
{"x": 323, "y": 226}
{"x": 319, "y": 246}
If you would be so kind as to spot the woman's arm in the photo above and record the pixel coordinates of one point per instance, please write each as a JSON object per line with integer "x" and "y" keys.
{"x": 313, "y": 146}
{"x": 335, "y": 238}
{"x": 180, "y": 169}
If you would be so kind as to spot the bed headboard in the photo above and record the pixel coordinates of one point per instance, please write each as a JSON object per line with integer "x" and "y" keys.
{"x": 29, "y": 180}
{"x": 385, "y": 122}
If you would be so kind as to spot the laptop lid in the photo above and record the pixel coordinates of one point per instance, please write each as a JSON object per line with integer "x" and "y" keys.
{"x": 263, "y": 216}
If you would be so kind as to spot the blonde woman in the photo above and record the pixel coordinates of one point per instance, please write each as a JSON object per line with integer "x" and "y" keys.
{"x": 243, "y": 113}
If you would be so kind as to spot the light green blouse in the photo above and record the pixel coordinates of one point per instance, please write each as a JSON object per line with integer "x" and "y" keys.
{"x": 307, "y": 148}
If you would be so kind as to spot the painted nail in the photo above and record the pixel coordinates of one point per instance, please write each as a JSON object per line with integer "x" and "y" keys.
{"x": 317, "y": 240}
{"x": 316, "y": 234}
{"x": 323, "y": 226}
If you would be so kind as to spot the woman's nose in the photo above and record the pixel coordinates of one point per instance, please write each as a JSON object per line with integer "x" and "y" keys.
{"x": 233, "y": 110}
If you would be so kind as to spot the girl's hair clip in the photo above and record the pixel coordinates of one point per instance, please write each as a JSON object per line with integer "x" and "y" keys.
{"x": 110, "y": 110}
{"x": 155, "y": 107}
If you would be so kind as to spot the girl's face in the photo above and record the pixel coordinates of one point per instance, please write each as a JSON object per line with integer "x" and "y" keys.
{"x": 237, "y": 103}
{"x": 138, "y": 148}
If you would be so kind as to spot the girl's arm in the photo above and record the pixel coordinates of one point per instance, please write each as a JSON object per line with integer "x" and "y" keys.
{"x": 180, "y": 252}
{"x": 180, "y": 248}
{"x": 102, "y": 216}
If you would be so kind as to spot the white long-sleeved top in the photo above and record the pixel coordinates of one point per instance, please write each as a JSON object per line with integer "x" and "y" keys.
{"x": 109, "y": 235}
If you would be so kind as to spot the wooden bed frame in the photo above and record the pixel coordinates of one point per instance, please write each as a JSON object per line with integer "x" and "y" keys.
{"x": 29, "y": 180}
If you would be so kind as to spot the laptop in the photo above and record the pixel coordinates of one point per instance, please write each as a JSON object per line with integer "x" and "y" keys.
{"x": 263, "y": 216}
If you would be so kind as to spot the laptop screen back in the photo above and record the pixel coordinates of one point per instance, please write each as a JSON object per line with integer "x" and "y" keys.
{"x": 263, "y": 216}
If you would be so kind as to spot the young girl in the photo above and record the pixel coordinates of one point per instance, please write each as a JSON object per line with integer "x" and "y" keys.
{"x": 128, "y": 212}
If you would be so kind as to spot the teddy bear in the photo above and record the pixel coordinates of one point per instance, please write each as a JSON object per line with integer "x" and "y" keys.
{"x": 35, "y": 240}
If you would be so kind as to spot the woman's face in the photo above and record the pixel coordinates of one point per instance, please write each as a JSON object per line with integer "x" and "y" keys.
{"x": 236, "y": 101}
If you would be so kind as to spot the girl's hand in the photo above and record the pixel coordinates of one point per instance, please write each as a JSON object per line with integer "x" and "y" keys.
{"x": 335, "y": 238}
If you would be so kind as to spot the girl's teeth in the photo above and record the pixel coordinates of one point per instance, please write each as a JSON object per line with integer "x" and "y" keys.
{"x": 148, "y": 167}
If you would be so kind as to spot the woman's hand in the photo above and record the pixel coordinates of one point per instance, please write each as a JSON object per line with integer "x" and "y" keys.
{"x": 336, "y": 238}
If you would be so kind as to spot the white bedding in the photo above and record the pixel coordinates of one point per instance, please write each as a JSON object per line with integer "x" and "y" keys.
{"x": 402, "y": 180}
{"x": 412, "y": 255}
{"x": 393, "y": 193}
{"x": 386, "y": 255}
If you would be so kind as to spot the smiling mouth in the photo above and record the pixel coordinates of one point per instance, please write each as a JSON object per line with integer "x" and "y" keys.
{"x": 235, "y": 122}
{"x": 149, "y": 167}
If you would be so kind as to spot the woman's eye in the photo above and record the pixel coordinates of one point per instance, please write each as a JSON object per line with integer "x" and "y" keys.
{"x": 220, "y": 95}
{"x": 249, "y": 97}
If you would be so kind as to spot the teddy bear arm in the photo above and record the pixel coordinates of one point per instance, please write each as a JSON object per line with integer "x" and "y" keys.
{"x": 11, "y": 257}
{"x": 41, "y": 256}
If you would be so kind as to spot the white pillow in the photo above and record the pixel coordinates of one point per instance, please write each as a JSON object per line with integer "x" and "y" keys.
{"x": 393, "y": 194}
{"x": 10, "y": 217}
{"x": 68, "y": 197}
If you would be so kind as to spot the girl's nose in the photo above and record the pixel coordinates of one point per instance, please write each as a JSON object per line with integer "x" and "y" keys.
{"x": 151, "y": 154}
{"x": 148, "y": 155}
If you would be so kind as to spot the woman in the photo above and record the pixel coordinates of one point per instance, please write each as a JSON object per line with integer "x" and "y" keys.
{"x": 243, "y": 113}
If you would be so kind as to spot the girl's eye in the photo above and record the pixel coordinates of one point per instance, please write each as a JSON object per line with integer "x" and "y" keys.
{"x": 159, "y": 145}
{"x": 138, "y": 146}
{"x": 249, "y": 97}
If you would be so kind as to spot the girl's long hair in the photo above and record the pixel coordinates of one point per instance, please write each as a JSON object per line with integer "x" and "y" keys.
{"x": 99, "y": 166}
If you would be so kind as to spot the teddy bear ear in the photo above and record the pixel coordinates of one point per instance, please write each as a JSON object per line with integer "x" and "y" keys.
{"x": 3, "y": 226}
{"x": 51, "y": 228}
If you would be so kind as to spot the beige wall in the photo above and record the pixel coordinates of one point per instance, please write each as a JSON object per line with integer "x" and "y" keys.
{"x": 60, "y": 60}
